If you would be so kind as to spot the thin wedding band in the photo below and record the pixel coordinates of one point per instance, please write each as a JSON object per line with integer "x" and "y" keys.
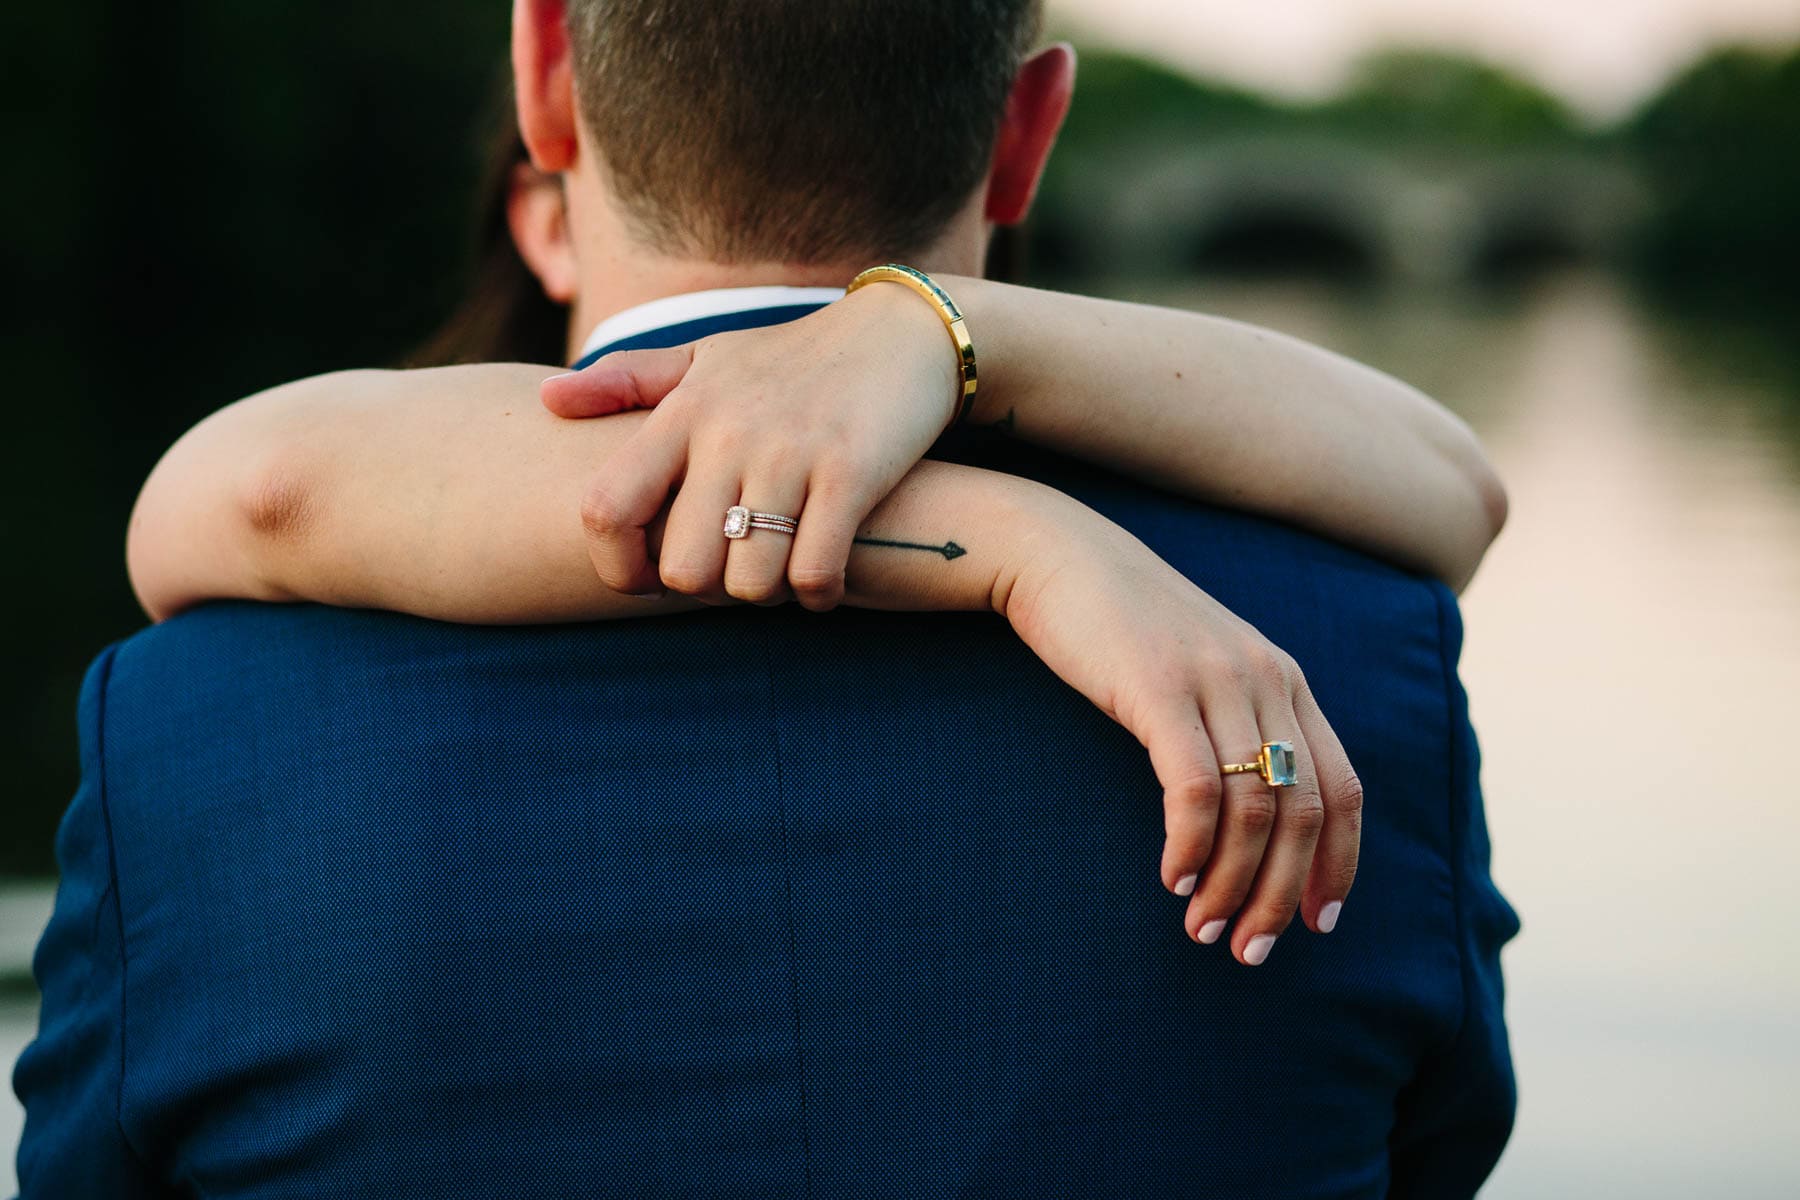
{"x": 786, "y": 527}
{"x": 739, "y": 521}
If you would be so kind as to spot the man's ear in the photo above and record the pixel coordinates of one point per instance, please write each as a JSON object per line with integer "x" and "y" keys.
{"x": 544, "y": 82}
{"x": 1035, "y": 109}
{"x": 539, "y": 219}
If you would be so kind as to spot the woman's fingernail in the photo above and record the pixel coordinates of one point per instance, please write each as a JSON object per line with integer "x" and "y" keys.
{"x": 564, "y": 375}
{"x": 658, "y": 594}
{"x": 1209, "y": 932}
{"x": 1328, "y": 916}
{"x": 1185, "y": 885}
{"x": 1259, "y": 948}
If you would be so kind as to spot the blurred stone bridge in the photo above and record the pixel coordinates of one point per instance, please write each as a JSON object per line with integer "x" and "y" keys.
{"x": 1435, "y": 215}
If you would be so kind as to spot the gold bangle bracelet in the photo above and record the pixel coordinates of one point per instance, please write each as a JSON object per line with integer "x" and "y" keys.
{"x": 952, "y": 316}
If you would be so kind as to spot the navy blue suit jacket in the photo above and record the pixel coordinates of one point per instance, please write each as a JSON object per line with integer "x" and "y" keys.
{"x": 749, "y": 902}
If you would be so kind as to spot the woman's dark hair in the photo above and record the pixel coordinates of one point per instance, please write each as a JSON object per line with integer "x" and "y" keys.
{"x": 504, "y": 316}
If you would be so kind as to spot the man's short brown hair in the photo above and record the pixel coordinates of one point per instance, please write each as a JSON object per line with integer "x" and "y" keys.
{"x": 804, "y": 131}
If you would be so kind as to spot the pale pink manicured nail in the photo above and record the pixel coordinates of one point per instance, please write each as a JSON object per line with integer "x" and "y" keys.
{"x": 1328, "y": 916}
{"x": 1259, "y": 948}
{"x": 1185, "y": 885}
{"x": 1209, "y": 932}
{"x": 564, "y": 375}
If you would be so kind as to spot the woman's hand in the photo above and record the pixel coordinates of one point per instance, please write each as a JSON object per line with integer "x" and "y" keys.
{"x": 1198, "y": 687}
{"x": 429, "y": 492}
{"x": 817, "y": 419}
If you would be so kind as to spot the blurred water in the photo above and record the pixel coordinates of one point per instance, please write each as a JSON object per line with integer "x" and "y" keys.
{"x": 1633, "y": 658}
{"x": 1633, "y": 661}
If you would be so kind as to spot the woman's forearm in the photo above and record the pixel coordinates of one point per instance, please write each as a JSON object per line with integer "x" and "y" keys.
{"x": 1237, "y": 415}
{"x": 429, "y": 491}
{"x": 452, "y": 494}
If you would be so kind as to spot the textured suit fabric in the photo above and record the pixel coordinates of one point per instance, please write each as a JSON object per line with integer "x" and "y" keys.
{"x": 748, "y": 903}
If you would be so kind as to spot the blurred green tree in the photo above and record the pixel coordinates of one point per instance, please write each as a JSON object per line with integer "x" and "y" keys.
{"x": 1722, "y": 146}
{"x": 1421, "y": 94}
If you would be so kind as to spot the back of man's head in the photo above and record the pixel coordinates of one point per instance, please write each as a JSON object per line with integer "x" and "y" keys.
{"x": 799, "y": 131}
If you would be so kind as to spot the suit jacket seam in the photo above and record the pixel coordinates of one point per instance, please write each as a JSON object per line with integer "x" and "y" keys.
{"x": 103, "y": 685}
{"x": 1455, "y": 827}
{"x": 793, "y": 938}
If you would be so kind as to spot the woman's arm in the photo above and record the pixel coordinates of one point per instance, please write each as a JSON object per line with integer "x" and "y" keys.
{"x": 452, "y": 494}
{"x": 420, "y": 492}
{"x": 1211, "y": 408}
{"x": 1238, "y": 415}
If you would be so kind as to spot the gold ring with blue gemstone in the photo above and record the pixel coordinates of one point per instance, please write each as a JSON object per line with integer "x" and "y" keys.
{"x": 1276, "y": 764}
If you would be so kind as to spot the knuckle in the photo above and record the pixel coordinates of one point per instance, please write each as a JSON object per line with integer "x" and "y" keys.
{"x": 1227, "y": 895}
{"x": 689, "y": 579}
{"x": 601, "y": 512}
{"x": 676, "y": 412}
{"x": 758, "y": 591}
{"x": 815, "y": 578}
{"x": 1186, "y": 854}
{"x": 1232, "y": 670}
{"x": 1345, "y": 790}
{"x": 1268, "y": 666}
{"x": 1255, "y": 811}
{"x": 1273, "y": 916}
{"x": 725, "y": 436}
{"x": 1163, "y": 692}
{"x": 1261, "y": 657}
{"x": 1305, "y": 813}
{"x": 1187, "y": 835}
{"x": 615, "y": 580}
{"x": 833, "y": 475}
{"x": 1203, "y": 792}
{"x": 781, "y": 460}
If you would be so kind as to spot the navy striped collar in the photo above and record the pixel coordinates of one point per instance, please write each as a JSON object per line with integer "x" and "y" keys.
{"x": 676, "y": 320}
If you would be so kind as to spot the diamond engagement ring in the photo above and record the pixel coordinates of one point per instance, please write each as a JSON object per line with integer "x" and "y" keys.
{"x": 739, "y": 521}
{"x": 1276, "y": 764}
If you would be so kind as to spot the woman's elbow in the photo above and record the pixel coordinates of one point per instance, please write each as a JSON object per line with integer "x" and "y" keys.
{"x": 1487, "y": 512}
{"x": 1493, "y": 499}
{"x": 145, "y": 566}
{"x": 1487, "y": 504}
{"x": 276, "y": 502}
{"x": 216, "y": 519}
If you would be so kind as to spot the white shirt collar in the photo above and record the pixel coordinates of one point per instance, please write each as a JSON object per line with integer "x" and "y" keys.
{"x": 692, "y": 306}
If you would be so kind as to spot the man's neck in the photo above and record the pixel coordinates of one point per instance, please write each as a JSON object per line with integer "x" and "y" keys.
{"x": 617, "y": 273}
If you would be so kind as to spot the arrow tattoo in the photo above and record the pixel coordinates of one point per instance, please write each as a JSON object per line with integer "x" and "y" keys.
{"x": 950, "y": 550}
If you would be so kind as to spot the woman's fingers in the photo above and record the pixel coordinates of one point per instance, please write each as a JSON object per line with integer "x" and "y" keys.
{"x": 694, "y": 542}
{"x": 623, "y": 499}
{"x": 1340, "y": 842}
{"x": 1182, "y": 755}
{"x": 756, "y": 565}
{"x": 1269, "y": 908}
{"x": 618, "y": 382}
{"x": 821, "y": 550}
{"x": 1247, "y": 819}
